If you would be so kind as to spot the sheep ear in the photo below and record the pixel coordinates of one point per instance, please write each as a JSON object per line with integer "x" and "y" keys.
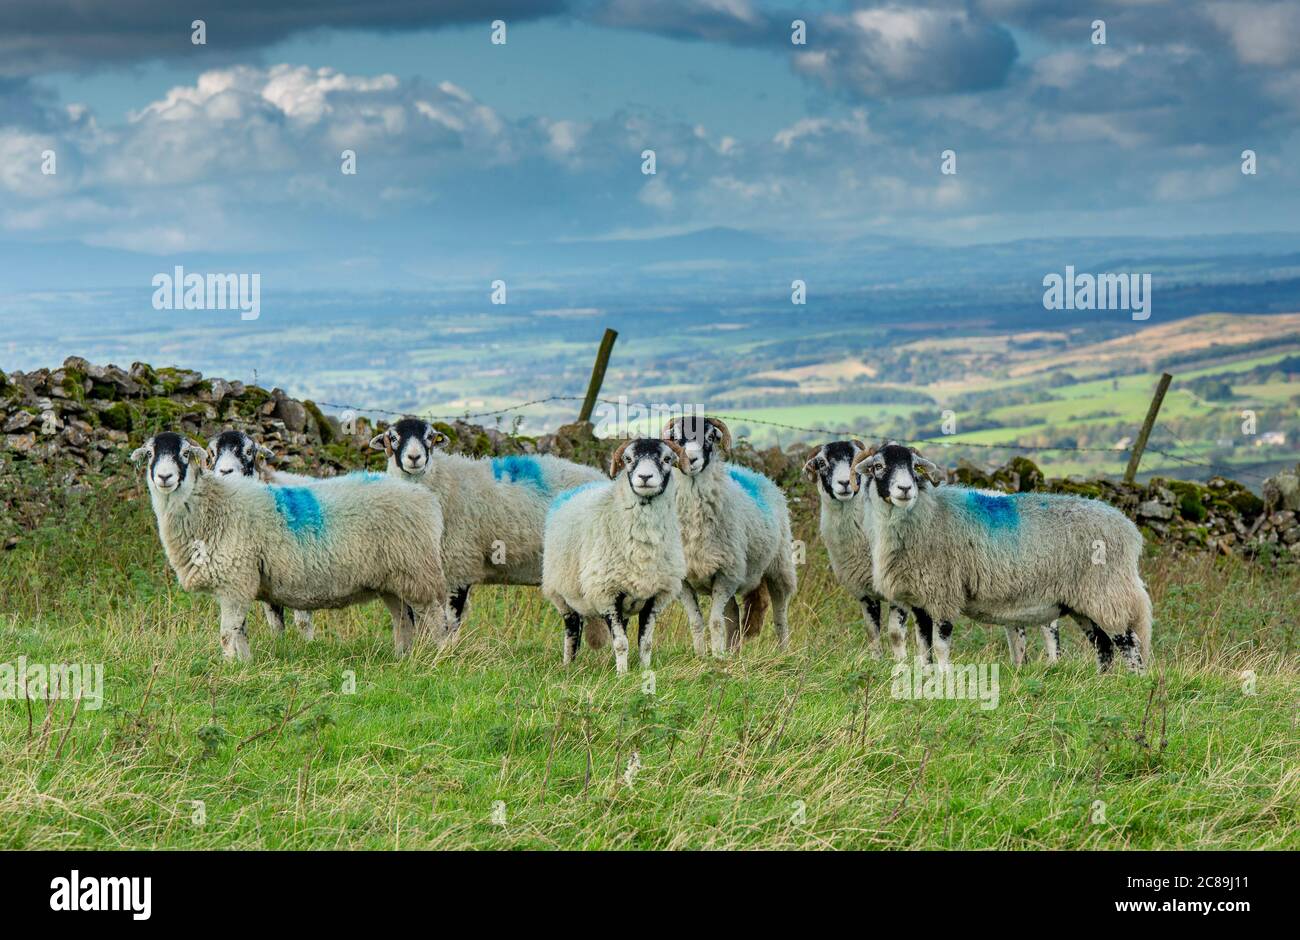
{"x": 440, "y": 439}
{"x": 810, "y": 468}
{"x": 724, "y": 435}
{"x": 141, "y": 452}
{"x": 680, "y": 453}
{"x": 616, "y": 461}
{"x": 380, "y": 442}
{"x": 858, "y": 444}
{"x": 933, "y": 472}
{"x": 264, "y": 452}
{"x": 196, "y": 453}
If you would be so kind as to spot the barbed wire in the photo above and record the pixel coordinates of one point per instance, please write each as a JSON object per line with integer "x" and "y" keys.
{"x": 1205, "y": 462}
{"x": 944, "y": 442}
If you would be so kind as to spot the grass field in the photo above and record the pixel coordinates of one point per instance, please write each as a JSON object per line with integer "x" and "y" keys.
{"x": 491, "y": 744}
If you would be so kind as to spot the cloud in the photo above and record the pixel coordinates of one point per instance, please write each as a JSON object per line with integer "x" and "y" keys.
{"x": 1265, "y": 34}
{"x": 891, "y": 50}
{"x": 38, "y": 36}
{"x": 737, "y": 22}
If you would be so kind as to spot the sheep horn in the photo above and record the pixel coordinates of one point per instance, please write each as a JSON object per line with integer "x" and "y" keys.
{"x": 667, "y": 432}
{"x": 810, "y": 467}
{"x": 682, "y": 459}
{"x": 617, "y": 459}
{"x": 722, "y": 429}
{"x": 864, "y": 456}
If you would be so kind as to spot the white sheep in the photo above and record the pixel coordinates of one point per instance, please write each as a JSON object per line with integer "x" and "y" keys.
{"x": 614, "y": 548}
{"x": 337, "y": 543}
{"x": 736, "y": 535}
{"x": 1019, "y": 559}
{"x": 237, "y": 453}
{"x": 845, "y": 526}
{"x": 493, "y": 509}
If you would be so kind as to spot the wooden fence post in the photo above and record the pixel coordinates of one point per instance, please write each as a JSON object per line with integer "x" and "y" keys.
{"x": 1141, "y": 444}
{"x": 597, "y": 374}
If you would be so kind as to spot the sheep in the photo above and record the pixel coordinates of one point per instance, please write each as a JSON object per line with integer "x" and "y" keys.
{"x": 1019, "y": 559}
{"x": 494, "y": 509}
{"x": 337, "y": 543}
{"x": 612, "y": 550}
{"x": 234, "y": 452}
{"x": 845, "y": 530}
{"x": 845, "y": 526}
{"x": 736, "y": 535}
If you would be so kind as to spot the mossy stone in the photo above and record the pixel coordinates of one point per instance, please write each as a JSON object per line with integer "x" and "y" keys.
{"x": 118, "y": 417}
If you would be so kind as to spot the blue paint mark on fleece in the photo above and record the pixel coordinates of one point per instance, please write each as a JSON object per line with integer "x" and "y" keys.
{"x": 516, "y": 469}
{"x": 300, "y": 510}
{"x": 567, "y": 495}
{"x": 754, "y": 484}
{"x": 995, "y": 512}
{"x": 366, "y": 476}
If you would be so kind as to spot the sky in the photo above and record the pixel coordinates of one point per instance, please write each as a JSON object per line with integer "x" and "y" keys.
{"x": 470, "y": 153}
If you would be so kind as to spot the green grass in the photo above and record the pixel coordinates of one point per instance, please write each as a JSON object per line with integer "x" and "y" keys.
{"x": 280, "y": 756}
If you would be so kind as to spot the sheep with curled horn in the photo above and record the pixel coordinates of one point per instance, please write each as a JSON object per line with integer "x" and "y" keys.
{"x": 336, "y": 543}
{"x": 737, "y": 538}
{"x": 1018, "y": 559}
{"x": 494, "y": 508}
{"x": 844, "y": 523}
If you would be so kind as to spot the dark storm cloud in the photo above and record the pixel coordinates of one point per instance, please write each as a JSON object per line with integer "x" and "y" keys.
{"x": 39, "y": 36}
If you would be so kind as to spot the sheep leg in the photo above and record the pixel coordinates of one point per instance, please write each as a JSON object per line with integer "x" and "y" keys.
{"x": 403, "y": 616}
{"x": 723, "y": 593}
{"x": 942, "y": 643}
{"x": 1127, "y": 645}
{"x": 924, "y": 635}
{"x": 776, "y": 590}
{"x": 234, "y": 629}
{"x": 1052, "y": 640}
{"x": 646, "y": 632}
{"x": 871, "y": 616}
{"x": 896, "y": 630}
{"x": 302, "y": 620}
{"x": 618, "y": 632}
{"x": 456, "y": 609}
{"x": 274, "y": 617}
{"x": 691, "y": 603}
{"x": 732, "y": 613}
{"x": 1101, "y": 643}
{"x": 572, "y": 635}
{"x": 1017, "y": 642}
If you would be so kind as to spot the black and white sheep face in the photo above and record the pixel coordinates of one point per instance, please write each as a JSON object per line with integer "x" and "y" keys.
{"x": 698, "y": 437}
{"x": 831, "y": 467}
{"x": 409, "y": 444}
{"x": 898, "y": 474}
{"x": 168, "y": 458}
{"x": 647, "y": 463}
{"x": 234, "y": 453}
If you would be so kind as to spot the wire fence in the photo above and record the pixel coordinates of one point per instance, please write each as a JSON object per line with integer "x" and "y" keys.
{"x": 1204, "y": 463}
